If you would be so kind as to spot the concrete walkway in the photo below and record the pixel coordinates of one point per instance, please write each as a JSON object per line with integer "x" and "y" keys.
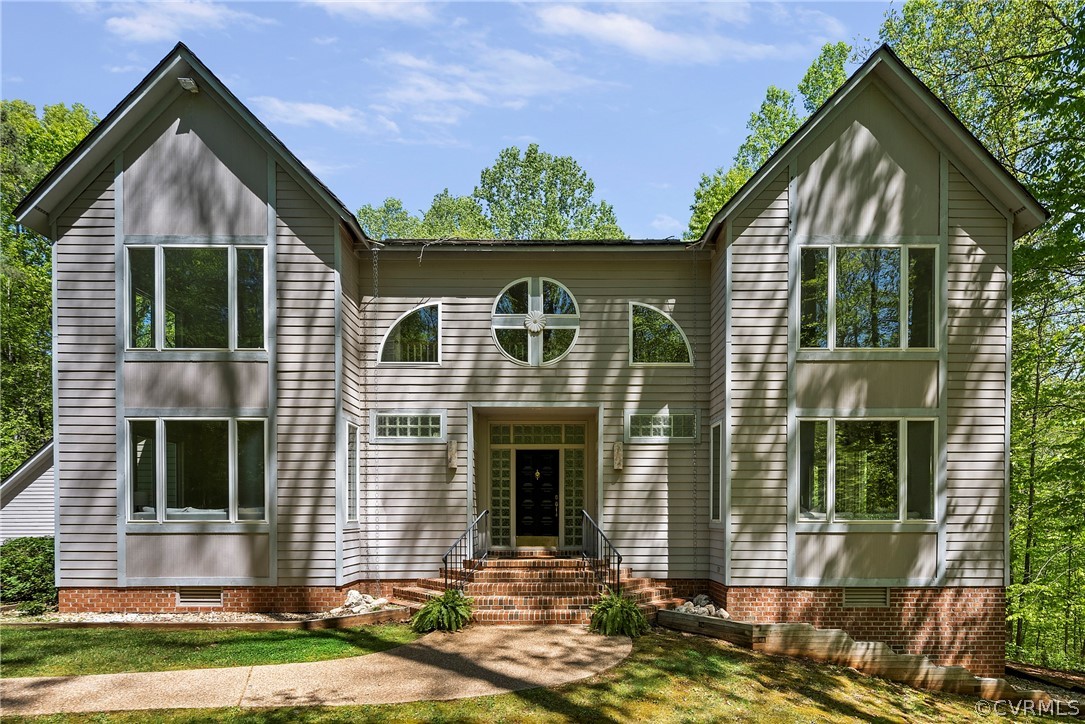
{"x": 479, "y": 661}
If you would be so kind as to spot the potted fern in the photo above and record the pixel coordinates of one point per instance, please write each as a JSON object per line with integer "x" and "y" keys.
{"x": 617, "y": 615}
{"x": 448, "y": 612}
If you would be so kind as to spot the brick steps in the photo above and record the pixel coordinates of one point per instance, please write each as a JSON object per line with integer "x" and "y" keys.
{"x": 540, "y": 588}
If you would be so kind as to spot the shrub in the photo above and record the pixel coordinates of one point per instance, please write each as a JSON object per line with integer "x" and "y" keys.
{"x": 617, "y": 615}
{"x": 448, "y": 612}
{"x": 26, "y": 571}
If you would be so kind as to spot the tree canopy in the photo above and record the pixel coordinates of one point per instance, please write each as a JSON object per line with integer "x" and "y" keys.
{"x": 30, "y": 145}
{"x": 527, "y": 194}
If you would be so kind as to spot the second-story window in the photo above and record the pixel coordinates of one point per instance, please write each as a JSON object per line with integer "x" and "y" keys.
{"x": 867, "y": 297}
{"x": 196, "y": 297}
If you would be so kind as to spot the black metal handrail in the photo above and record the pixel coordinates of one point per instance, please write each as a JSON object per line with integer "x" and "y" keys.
{"x": 601, "y": 555}
{"x": 466, "y": 555}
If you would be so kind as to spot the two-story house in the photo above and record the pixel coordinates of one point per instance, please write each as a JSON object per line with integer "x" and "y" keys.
{"x": 805, "y": 412}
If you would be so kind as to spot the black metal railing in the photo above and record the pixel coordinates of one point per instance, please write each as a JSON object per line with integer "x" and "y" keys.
{"x": 601, "y": 555}
{"x": 466, "y": 555}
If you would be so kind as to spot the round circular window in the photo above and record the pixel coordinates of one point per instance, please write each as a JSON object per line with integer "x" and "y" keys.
{"x": 535, "y": 321}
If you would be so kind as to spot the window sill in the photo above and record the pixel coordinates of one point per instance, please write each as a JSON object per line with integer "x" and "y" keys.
{"x": 210, "y": 526}
{"x": 844, "y": 355}
{"x": 867, "y": 526}
{"x": 195, "y": 355}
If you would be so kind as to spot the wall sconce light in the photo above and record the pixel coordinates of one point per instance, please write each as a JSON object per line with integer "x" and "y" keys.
{"x": 619, "y": 456}
{"x": 189, "y": 85}
{"x": 453, "y": 454}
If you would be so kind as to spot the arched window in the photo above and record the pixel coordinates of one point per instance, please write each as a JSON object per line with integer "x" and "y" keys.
{"x": 535, "y": 321}
{"x": 415, "y": 337}
{"x": 655, "y": 338}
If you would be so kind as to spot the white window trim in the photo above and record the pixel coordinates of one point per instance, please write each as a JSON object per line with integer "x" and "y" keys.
{"x": 534, "y": 304}
{"x": 671, "y": 319}
{"x": 160, "y": 473}
{"x": 400, "y": 318}
{"x": 659, "y": 439}
{"x": 160, "y": 300}
{"x": 715, "y": 467}
{"x": 354, "y": 432}
{"x": 830, "y": 521}
{"x": 408, "y": 413}
{"x": 836, "y": 352}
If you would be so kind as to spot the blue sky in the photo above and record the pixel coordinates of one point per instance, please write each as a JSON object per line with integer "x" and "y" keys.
{"x": 406, "y": 98}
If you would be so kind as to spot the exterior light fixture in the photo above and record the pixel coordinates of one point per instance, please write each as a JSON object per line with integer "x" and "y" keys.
{"x": 189, "y": 85}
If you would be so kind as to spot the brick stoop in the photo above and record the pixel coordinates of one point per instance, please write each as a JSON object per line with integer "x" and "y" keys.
{"x": 538, "y": 589}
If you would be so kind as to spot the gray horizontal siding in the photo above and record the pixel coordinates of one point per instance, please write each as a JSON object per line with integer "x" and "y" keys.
{"x": 759, "y": 253}
{"x": 31, "y": 512}
{"x": 305, "y": 268}
{"x": 977, "y": 384}
{"x": 86, "y": 398}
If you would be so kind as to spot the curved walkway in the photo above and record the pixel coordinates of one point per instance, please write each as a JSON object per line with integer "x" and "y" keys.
{"x": 479, "y": 661}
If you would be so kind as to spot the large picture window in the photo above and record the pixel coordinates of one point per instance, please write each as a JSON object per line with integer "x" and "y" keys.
{"x": 866, "y": 470}
{"x": 867, "y": 297}
{"x": 196, "y": 297}
{"x": 197, "y": 469}
{"x": 415, "y": 337}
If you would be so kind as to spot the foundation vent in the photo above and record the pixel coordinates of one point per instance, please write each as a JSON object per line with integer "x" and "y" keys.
{"x": 866, "y": 598}
{"x": 199, "y": 596}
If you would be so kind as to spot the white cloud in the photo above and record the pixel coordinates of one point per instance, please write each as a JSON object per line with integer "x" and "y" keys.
{"x": 153, "y": 22}
{"x": 706, "y": 32}
{"x": 326, "y": 40}
{"x": 404, "y": 11}
{"x": 300, "y": 113}
{"x": 124, "y": 68}
{"x": 639, "y": 37}
{"x": 441, "y": 92}
{"x": 667, "y": 225}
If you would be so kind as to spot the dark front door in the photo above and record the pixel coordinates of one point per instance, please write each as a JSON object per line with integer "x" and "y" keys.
{"x": 537, "y": 493}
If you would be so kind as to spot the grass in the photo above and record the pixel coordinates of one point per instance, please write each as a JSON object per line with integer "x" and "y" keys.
{"x": 670, "y": 677}
{"x": 61, "y": 652}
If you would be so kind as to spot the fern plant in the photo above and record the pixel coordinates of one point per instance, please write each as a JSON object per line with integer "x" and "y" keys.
{"x": 448, "y": 612}
{"x": 616, "y": 615}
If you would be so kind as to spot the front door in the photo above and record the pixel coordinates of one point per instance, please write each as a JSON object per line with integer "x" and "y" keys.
{"x": 537, "y": 485}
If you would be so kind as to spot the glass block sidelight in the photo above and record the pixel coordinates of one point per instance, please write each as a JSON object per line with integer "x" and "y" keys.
{"x": 501, "y": 497}
{"x": 574, "y": 495}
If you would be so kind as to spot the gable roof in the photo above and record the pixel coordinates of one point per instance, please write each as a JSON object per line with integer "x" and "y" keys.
{"x": 100, "y": 145}
{"x": 937, "y": 118}
{"x": 21, "y": 478}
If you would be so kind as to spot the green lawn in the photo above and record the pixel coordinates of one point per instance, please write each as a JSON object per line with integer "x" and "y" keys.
{"x": 59, "y": 652}
{"x": 670, "y": 677}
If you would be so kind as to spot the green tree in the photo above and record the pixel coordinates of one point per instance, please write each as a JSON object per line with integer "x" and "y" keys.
{"x": 770, "y": 126}
{"x": 30, "y": 145}
{"x": 390, "y": 220}
{"x": 456, "y": 217}
{"x": 534, "y": 195}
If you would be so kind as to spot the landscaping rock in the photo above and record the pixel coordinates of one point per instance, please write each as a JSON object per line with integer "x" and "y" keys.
{"x": 702, "y": 606}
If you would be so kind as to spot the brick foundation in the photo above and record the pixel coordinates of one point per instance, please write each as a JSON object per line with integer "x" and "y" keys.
{"x": 242, "y": 599}
{"x": 962, "y": 626}
{"x": 952, "y": 626}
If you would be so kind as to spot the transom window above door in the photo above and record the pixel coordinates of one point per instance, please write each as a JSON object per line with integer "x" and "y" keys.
{"x": 535, "y": 321}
